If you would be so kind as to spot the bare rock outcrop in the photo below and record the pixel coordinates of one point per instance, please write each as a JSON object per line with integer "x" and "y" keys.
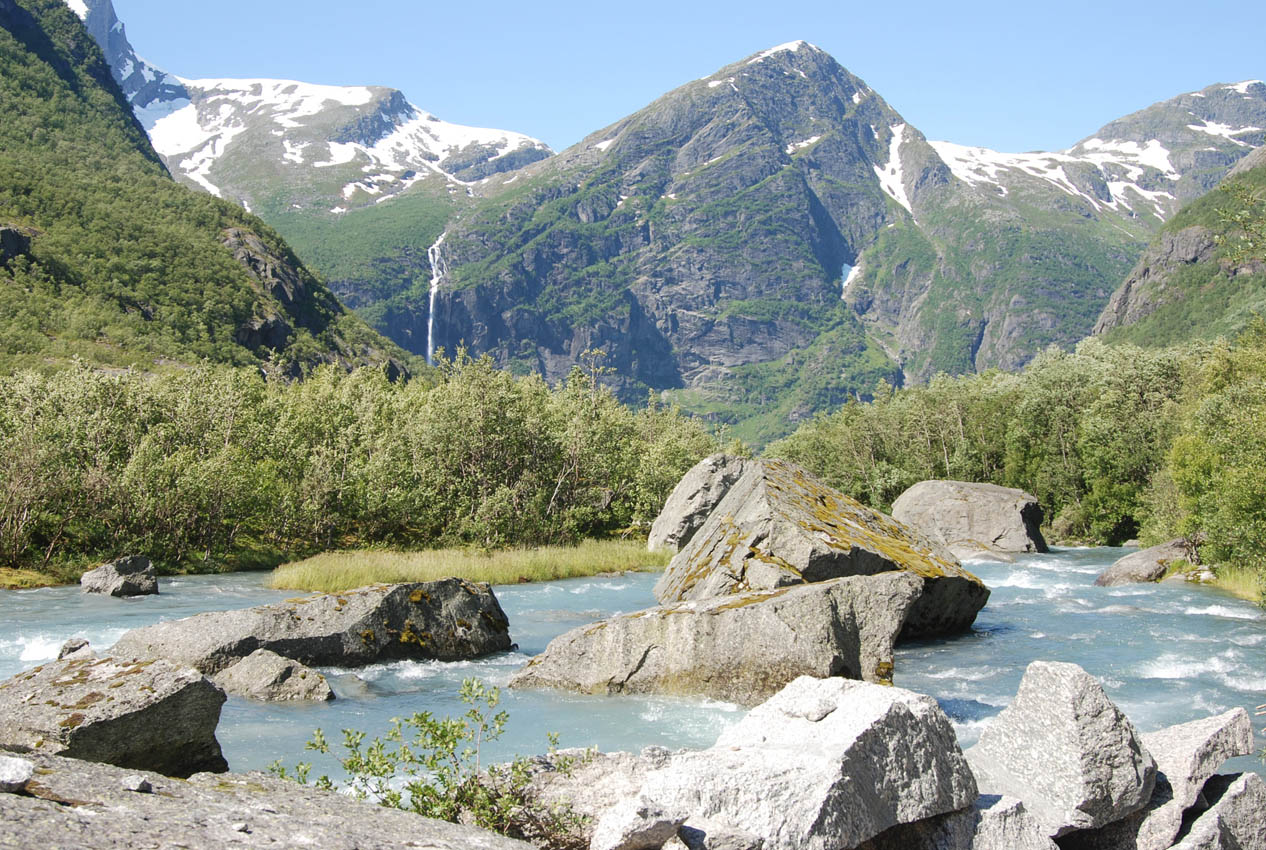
{"x": 971, "y": 519}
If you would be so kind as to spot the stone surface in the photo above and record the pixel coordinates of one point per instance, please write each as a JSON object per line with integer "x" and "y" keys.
{"x": 703, "y": 834}
{"x": 266, "y": 676}
{"x": 14, "y": 774}
{"x": 824, "y": 764}
{"x": 589, "y": 783}
{"x": 1236, "y": 819}
{"x": 778, "y": 526}
{"x": 130, "y": 576}
{"x": 971, "y": 519}
{"x": 1063, "y": 748}
{"x": 693, "y": 499}
{"x": 448, "y": 620}
{"x": 148, "y": 715}
{"x": 72, "y": 647}
{"x": 740, "y": 648}
{"x": 635, "y": 824}
{"x": 993, "y": 823}
{"x": 79, "y": 804}
{"x": 1147, "y": 565}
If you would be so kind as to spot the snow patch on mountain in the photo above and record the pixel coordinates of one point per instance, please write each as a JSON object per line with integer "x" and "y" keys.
{"x": 1243, "y": 87}
{"x": 789, "y": 47}
{"x": 891, "y": 178}
{"x": 795, "y": 146}
{"x": 1213, "y": 128}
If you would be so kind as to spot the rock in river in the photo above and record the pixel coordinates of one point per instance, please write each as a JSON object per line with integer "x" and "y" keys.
{"x": 700, "y": 490}
{"x": 268, "y": 677}
{"x": 450, "y": 619}
{"x": 971, "y": 519}
{"x": 149, "y": 715}
{"x": 1148, "y": 564}
{"x": 741, "y": 648}
{"x": 130, "y": 576}
{"x": 778, "y": 526}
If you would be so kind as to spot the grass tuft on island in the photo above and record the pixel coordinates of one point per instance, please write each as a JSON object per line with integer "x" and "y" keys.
{"x": 11, "y": 579}
{"x": 332, "y": 572}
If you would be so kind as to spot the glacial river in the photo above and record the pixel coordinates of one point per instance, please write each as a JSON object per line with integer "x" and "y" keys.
{"x": 1165, "y": 653}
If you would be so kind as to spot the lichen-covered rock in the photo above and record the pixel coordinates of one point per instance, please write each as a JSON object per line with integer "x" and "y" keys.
{"x": 778, "y": 526}
{"x": 700, "y": 490}
{"x": 1236, "y": 819}
{"x": 740, "y": 648}
{"x": 823, "y": 765}
{"x": 79, "y": 804}
{"x": 148, "y": 715}
{"x": 1066, "y": 750}
{"x": 970, "y": 519}
{"x": 266, "y": 676}
{"x": 130, "y": 576}
{"x": 450, "y": 619}
{"x": 1147, "y": 565}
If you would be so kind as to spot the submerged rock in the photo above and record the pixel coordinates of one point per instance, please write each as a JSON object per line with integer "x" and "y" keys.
{"x": 79, "y": 804}
{"x": 779, "y": 526}
{"x": 148, "y": 715}
{"x": 130, "y": 576}
{"x": 1066, "y": 750}
{"x": 450, "y": 619}
{"x": 741, "y": 648}
{"x": 1147, "y": 565}
{"x": 268, "y": 677}
{"x": 700, "y": 490}
{"x": 971, "y": 519}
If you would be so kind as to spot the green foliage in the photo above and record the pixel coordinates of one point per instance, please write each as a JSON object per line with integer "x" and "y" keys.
{"x": 431, "y": 766}
{"x": 211, "y": 467}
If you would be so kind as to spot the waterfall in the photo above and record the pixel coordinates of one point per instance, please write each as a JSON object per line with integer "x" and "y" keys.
{"x": 437, "y": 274}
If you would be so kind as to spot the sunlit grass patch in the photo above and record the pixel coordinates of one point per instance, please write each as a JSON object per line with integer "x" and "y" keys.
{"x": 11, "y": 579}
{"x": 335, "y": 571}
{"x": 1244, "y": 582}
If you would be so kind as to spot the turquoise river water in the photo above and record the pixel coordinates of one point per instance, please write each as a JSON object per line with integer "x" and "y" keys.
{"x": 1165, "y": 653}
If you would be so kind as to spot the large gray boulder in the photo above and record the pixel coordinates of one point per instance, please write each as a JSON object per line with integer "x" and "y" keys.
{"x": 993, "y": 823}
{"x": 779, "y": 526}
{"x": 700, "y": 490}
{"x": 1066, "y": 750}
{"x": 130, "y": 576}
{"x": 1236, "y": 819}
{"x": 268, "y": 677}
{"x": 825, "y": 764}
{"x": 740, "y": 648}
{"x": 79, "y": 804}
{"x": 971, "y": 519}
{"x": 150, "y": 715}
{"x": 1147, "y": 565}
{"x": 450, "y": 619}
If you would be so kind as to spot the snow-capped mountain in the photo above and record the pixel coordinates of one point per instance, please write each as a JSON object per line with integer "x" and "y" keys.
{"x": 322, "y": 147}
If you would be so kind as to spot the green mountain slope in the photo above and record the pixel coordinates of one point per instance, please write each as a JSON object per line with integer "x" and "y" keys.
{"x": 119, "y": 264}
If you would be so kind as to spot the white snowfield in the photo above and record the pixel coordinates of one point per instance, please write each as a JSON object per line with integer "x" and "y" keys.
{"x": 891, "y": 177}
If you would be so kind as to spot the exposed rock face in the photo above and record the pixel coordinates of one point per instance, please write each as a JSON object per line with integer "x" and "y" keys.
{"x": 693, "y": 499}
{"x": 1234, "y": 822}
{"x": 703, "y": 834}
{"x": 635, "y": 824}
{"x": 823, "y": 765}
{"x": 592, "y": 782}
{"x": 994, "y": 823}
{"x": 448, "y": 620}
{"x": 266, "y": 676}
{"x": 79, "y": 804}
{"x": 13, "y": 243}
{"x": 1137, "y": 297}
{"x": 1147, "y": 564}
{"x": 778, "y": 526}
{"x": 741, "y": 648}
{"x": 971, "y": 518}
{"x": 149, "y": 715}
{"x": 130, "y": 576}
{"x": 1063, "y": 748}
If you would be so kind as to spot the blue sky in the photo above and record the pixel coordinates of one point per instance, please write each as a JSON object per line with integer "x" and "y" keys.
{"x": 1006, "y": 75}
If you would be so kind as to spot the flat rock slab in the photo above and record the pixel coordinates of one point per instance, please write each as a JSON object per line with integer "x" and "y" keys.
{"x": 79, "y": 804}
{"x": 694, "y": 498}
{"x": 131, "y": 576}
{"x": 1066, "y": 750}
{"x": 740, "y": 648}
{"x": 448, "y": 620}
{"x": 1146, "y": 565}
{"x": 970, "y": 518}
{"x": 268, "y": 677}
{"x": 779, "y": 526}
{"x": 823, "y": 765}
{"x": 151, "y": 714}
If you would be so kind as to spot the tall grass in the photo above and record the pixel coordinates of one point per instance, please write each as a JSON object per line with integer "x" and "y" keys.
{"x": 337, "y": 571}
{"x": 1244, "y": 582}
{"x": 11, "y": 579}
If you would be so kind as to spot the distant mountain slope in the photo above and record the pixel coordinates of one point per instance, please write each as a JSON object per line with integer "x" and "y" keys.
{"x": 119, "y": 264}
{"x": 1186, "y": 286}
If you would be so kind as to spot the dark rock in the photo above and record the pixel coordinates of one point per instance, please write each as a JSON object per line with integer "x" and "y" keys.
{"x": 13, "y": 243}
{"x": 147, "y": 715}
{"x": 79, "y": 804}
{"x": 971, "y": 519}
{"x": 73, "y": 647}
{"x": 741, "y": 648}
{"x": 130, "y": 576}
{"x": 268, "y": 677}
{"x": 779, "y": 526}
{"x": 1148, "y": 564}
{"x": 700, "y": 490}
{"x": 450, "y": 619}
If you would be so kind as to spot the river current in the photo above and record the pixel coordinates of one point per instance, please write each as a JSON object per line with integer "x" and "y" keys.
{"x": 1165, "y": 653}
